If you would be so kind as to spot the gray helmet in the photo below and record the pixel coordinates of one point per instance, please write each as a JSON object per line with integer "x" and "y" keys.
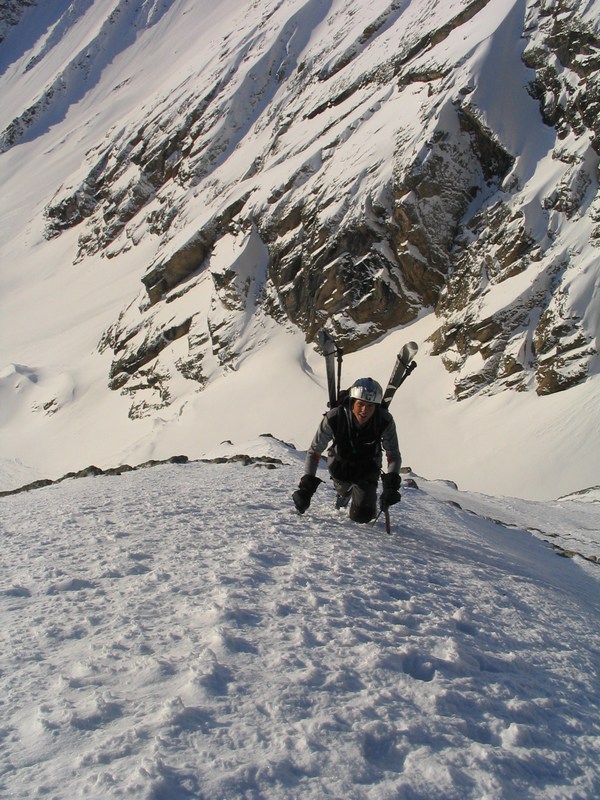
{"x": 366, "y": 389}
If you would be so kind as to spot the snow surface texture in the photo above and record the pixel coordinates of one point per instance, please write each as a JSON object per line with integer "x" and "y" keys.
{"x": 103, "y": 78}
{"x": 179, "y": 632}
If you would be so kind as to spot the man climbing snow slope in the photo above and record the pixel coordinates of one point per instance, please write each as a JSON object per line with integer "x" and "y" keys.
{"x": 360, "y": 429}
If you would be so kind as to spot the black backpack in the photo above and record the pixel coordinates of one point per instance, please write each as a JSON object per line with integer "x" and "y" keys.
{"x": 355, "y": 453}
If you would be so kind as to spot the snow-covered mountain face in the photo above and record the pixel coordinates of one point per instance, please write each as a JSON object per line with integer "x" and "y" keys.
{"x": 227, "y": 170}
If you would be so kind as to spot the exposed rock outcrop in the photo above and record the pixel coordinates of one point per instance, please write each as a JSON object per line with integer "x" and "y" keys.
{"x": 291, "y": 184}
{"x": 11, "y": 12}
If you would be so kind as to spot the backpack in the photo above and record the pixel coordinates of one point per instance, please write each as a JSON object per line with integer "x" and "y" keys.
{"x": 354, "y": 453}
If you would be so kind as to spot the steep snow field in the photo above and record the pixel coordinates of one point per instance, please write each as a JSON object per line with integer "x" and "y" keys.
{"x": 179, "y": 632}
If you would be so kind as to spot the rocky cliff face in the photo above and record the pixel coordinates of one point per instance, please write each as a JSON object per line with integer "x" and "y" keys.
{"x": 350, "y": 167}
{"x": 11, "y": 13}
{"x": 538, "y": 338}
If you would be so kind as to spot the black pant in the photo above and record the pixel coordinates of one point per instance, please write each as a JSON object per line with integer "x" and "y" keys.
{"x": 363, "y": 506}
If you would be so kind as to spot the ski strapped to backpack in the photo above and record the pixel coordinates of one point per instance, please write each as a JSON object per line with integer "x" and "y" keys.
{"x": 403, "y": 367}
{"x": 331, "y": 352}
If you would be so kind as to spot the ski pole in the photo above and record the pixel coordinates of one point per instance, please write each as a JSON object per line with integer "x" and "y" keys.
{"x": 388, "y": 521}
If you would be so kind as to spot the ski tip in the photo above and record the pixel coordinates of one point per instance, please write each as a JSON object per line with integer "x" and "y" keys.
{"x": 410, "y": 349}
{"x": 326, "y": 343}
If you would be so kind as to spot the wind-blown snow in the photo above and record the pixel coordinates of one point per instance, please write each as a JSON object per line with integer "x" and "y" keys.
{"x": 179, "y": 632}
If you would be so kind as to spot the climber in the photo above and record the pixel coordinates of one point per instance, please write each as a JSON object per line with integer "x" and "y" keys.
{"x": 360, "y": 429}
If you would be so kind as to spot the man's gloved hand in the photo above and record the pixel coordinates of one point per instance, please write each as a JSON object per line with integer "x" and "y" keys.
{"x": 306, "y": 488}
{"x": 391, "y": 483}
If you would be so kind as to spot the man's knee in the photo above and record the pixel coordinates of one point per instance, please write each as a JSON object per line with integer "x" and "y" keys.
{"x": 362, "y": 513}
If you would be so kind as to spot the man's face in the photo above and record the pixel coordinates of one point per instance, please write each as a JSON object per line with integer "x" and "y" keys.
{"x": 363, "y": 411}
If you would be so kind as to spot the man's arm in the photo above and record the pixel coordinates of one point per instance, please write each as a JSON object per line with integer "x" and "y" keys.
{"x": 320, "y": 441}
{"x": 389, "y": 440}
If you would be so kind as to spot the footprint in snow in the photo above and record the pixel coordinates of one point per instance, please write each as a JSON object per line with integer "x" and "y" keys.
{"x": 270, "y": 559}
{"x": 70, "y": 585}
{"x": 16, "y": 591}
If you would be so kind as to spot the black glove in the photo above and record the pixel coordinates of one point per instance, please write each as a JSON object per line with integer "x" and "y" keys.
{"x": 391, "y": 483}
{"x": 306, "y": 488}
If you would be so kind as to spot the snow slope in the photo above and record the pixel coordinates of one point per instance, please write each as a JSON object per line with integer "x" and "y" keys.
{"x": 178, "y": 632}
{"x": 56, "y": 411}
